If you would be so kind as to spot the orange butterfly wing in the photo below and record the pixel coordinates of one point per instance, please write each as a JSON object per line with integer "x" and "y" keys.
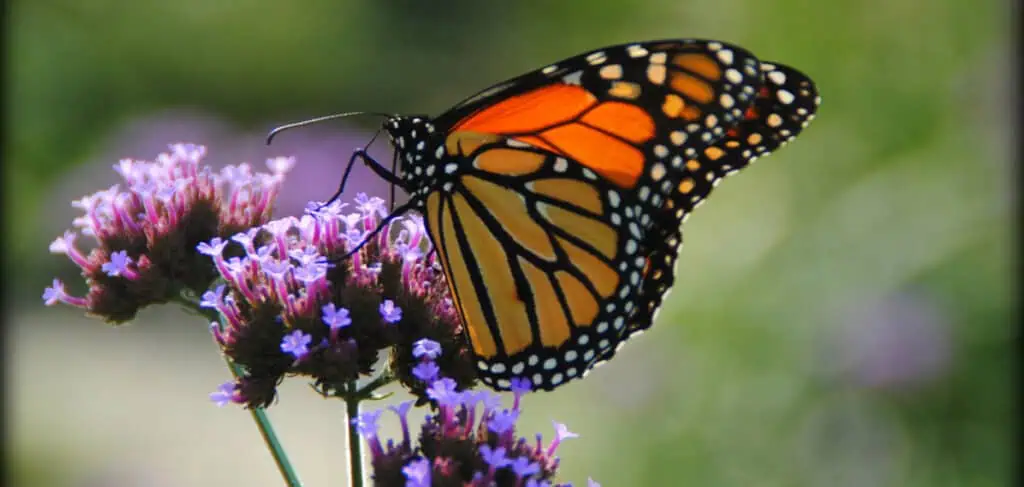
{"x": 559, "y": 227}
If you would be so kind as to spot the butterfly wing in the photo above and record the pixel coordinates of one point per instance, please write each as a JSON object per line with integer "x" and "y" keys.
{"x": 541, "y": 262}
{"x": 560, "y": 231}
{"x": 615, "y": 108}
{"x": 785, "y": 105}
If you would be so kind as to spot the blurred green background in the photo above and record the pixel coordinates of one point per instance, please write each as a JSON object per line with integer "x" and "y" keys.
{"x": 843, "y": 311}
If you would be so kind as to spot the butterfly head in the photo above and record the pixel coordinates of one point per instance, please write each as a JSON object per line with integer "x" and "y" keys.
{"x": 406, "y": 131}
{"x": 415, "y": 140}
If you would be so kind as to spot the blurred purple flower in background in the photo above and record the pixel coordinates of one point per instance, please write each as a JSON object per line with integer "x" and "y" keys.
{"x": 899, "y": 341}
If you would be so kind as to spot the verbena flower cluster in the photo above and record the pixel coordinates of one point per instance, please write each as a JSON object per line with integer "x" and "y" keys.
{"x": 469, "y": 440}
{"x": 291, "y": 306}
{"x": 147, "y": 228}
{"x": 318, "y": 295}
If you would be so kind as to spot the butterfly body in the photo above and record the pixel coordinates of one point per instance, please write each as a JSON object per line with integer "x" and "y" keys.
{"x": 554, "y": 199}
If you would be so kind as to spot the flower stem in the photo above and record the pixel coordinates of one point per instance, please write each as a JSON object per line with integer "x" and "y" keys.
{"x": 355, "y": 444}
{"x": 266, "y": 429}
{"x": 259, "y": 415}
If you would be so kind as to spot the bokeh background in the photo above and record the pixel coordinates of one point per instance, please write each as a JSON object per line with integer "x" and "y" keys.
{"x": 843, "y": 309}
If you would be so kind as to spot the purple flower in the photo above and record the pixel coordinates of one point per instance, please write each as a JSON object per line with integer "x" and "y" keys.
{"x": 390, "y": 312}
{"x": 418, "y": 473}
{"x": 366, "y": 423}
{"x": 280, "y": 165}
{"x": 336, "y": 318}
{"x": 426, "y": 347}
{"x": 524, "y": 467}
{"x": 561, "y": 433}
{"x": 494, "y": 457}
{"x": 225, "y": 393}
{"x": 159, "y": 205}
{"x": 247, "y": 239}
{"x": 521, "y": 385}
{"x": 296, "y": 343}
{"x": 592, "y": 483}
{"x": 370, "y": 206}
{"x": 426, "y": 371}
{"x": 454, "y": 437}
{"x": 310, "y": 273}
{"x": 54, "y": 294}
{"x": 212, "y": 299}
{"x": 503, "y": 421}
{"x": 443, "y": 391}
{"x": 214, "y": 248}
{"x": 118, "y": 264}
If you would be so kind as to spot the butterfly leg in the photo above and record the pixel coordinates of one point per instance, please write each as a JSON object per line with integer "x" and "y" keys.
{"x": 369, "y": 162}
{"x": 397, "y": 212}
{"x": 381, "y": 171}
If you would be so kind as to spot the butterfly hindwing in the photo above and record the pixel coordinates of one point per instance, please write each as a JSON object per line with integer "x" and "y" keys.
{"x": 542, "y": 263}
{"x": 785, "y": 105}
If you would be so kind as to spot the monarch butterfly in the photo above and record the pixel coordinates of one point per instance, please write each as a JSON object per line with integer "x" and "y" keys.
{"x": 554, "y": 199}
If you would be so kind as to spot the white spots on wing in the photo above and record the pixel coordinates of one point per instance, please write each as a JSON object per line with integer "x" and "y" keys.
{"x": 733, "y": 75}
{"x": 726, "y": 100}
{"x": 611, "y": 71}
{"x": 785, "y": 97}
{"x": 725, "y": 55}
{"x": 596, "y": 58}
{"x": 777, "y": 77}
{"x": 561, "y": 165}
{"x": 636, "y": 51}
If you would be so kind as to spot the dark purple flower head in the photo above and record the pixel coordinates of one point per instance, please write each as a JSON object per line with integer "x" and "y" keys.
{"x": 289, "y": 277}
{"x": 147, "y": 230}
{"x": 461, "y": 445}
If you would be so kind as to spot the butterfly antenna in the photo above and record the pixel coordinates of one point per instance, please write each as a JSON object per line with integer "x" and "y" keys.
{"x": 282, "y": 128}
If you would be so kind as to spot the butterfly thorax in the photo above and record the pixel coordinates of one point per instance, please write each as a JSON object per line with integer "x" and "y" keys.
{"x": 419, "y": 148}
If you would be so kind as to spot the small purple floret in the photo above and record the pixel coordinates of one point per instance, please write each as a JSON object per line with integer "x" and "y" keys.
{"x": 296, "y": 343}
{"x": 426, "y": 347}
{"x": 335, "y": 318}
{"x": 503, "y": 420}
{"x": 390, "y": 312}
{"x": 426, "y": 371}
{"x": 418, "y": 473}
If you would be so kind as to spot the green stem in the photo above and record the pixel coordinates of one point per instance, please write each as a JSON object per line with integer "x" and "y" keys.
{"x": 266, "y": 429}
{"x": 259, "y": 415}
{"x": 355, "y": 443}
